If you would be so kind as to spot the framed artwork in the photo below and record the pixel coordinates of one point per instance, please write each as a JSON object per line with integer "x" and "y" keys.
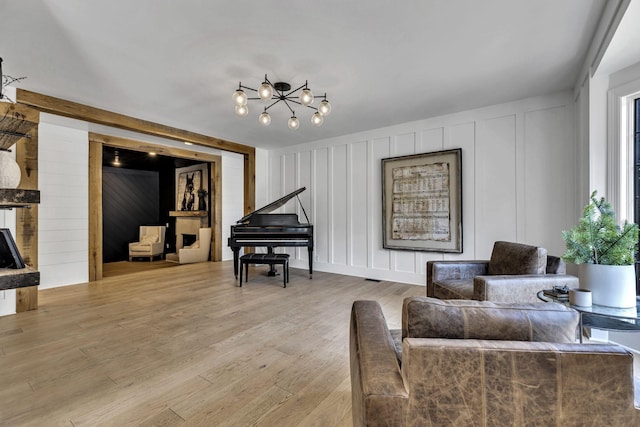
{"x": 9, "y": 254}
{"x": 190, "y": 186}
{"x": 422, "y": 202}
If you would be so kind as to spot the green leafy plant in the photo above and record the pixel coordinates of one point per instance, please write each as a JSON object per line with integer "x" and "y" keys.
{"x": 598, "y": 239}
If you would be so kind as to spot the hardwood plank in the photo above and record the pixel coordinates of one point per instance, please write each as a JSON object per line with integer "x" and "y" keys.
{"x": 186, "y": 345}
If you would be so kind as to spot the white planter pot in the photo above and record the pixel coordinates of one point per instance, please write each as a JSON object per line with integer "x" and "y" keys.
{"x": 9, "y": 171}
{"x": 610, "y": 285}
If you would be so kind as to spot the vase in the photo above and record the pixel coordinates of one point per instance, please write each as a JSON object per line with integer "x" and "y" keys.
{"x": 9, "y": 171}
{"x": 610, "y": 285}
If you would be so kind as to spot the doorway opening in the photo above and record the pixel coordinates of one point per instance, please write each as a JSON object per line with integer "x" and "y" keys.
{"x": 134, "y": 184}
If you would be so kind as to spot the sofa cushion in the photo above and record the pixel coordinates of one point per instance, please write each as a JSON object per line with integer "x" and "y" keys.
{"x": 453, "y": 289}
{"x": 424, "y": 317}
{"x": 139, "y": 247}
{"x": 516, "y": 258}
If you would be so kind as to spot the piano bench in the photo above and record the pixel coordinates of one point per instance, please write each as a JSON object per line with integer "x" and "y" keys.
{"x": 269, "y": 259}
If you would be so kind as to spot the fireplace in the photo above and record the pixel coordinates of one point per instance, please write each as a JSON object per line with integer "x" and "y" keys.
{"x": 188, "y": 225}
{"x": 188, "y": 239}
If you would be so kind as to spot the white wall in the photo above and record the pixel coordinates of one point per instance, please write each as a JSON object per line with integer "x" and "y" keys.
{"x": 518, "y": 167}
{"x": 232, "y": 197}
{"x": 63, "y": 216}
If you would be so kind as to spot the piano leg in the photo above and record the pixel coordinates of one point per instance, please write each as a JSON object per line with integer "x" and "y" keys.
{"x": 310, "y": 262}
{"x": 235, "y": 261}
{"x": 272, "y": 268}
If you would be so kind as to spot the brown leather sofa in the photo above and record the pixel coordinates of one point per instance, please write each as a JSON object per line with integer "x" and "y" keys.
{"x": 478, "y": 363}
{"x": 515, "y": 273}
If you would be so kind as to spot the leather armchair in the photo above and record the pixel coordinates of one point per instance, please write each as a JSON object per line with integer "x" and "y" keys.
{"x": 482, "y": 363}
{"x": 515, "y": 273}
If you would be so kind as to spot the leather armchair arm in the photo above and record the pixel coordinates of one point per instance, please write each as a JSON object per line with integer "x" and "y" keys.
{"x": 378, "y": 392}
{"x": 453, "y": 270}
{"x": 518, "y": 288}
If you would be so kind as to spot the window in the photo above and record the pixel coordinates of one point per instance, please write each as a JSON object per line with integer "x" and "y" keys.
{"x": 636, "y": 176}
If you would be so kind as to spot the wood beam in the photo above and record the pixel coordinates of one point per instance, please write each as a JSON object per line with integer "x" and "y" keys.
{"x": 95, "y": 211}
{"x": 27, "y": 219}
{"x": 62, "y": 107}
{"x": 145, "y": 147}
{"x": 249, "y": 183}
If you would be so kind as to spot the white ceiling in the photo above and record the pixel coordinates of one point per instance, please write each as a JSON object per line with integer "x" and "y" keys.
{"x": 380, "y": 62}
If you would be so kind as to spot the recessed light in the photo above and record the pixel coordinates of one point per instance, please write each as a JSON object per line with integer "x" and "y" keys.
{"x": 152, "y": 153}
{"x": 188, "y": 143}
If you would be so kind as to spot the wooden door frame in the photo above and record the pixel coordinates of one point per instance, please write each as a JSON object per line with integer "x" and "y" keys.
{"x": 96, "y": 143}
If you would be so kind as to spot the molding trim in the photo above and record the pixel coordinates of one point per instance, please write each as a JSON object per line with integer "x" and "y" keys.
{"x": 619, "y": 193}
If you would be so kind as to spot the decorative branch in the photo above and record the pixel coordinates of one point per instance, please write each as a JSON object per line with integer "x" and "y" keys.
{"x": 7, "y": 81}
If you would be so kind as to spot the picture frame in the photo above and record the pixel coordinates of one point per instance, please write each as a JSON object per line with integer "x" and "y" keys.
{"x": 9, "y": 255}
{"x": 422, "y": 202}
{"x": 192, "y": 188}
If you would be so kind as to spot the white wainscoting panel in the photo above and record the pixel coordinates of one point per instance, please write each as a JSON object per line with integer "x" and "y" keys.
{"x": 495, "y": 180}
{"x": 549, "y": 195}
{"x": 463, "y": 135}
{"x": 321, "y": 218}
{"x": 381, "y": 258}
{"x": 359, "y": 213}
{"x": 517, "y": 179}
{"x": 339, "y": 203}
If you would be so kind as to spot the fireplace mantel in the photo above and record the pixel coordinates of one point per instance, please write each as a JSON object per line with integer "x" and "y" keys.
{"x": 188, "y": 213}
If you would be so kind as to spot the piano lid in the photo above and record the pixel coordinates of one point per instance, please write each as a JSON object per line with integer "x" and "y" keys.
{"x": 271, "y": 206}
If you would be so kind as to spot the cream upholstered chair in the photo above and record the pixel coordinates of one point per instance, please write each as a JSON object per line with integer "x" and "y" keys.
{"x": 150, "y": 244}
{"x": 196, "y": 252}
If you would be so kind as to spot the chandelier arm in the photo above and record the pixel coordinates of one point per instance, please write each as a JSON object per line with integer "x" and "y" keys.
{"x": 266, "y": 108}
{"x": 248, "y": 88}
{"x": 300, "y": 103}
{"x": 295, "y": 90}
{"x": 288, "y": 106}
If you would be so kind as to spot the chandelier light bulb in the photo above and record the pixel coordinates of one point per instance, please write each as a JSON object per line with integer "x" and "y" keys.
{"x": 239, "y": 97}
{"x": 306, "y": 97}
{"x": 324, "y": 108}
{"x": 293, "y": 123}
{"x": 242, "y": 110}
{"x": 264, "y": 119}
{"x": 317, "y": 119}
{"x": 265, "y": 91}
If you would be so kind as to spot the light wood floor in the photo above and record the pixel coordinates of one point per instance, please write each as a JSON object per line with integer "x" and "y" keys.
{"x": 119, "y": 268}
{"x": 186, "y": 346}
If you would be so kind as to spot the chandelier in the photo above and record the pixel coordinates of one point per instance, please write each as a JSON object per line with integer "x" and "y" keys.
{"x": 281, "y": 92}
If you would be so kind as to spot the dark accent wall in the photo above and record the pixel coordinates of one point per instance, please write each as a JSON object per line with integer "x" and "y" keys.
{"x": 126, "y": 194}
{"x": 130, "y": 198}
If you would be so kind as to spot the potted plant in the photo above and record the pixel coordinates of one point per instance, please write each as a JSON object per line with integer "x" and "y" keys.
{"x": 605, "y": 254}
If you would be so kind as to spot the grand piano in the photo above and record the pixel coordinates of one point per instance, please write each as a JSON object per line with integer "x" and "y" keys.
{"x": 261, "y": 228}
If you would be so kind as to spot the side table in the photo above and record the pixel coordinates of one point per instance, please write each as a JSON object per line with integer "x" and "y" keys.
{"x": 602, "y": 317}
